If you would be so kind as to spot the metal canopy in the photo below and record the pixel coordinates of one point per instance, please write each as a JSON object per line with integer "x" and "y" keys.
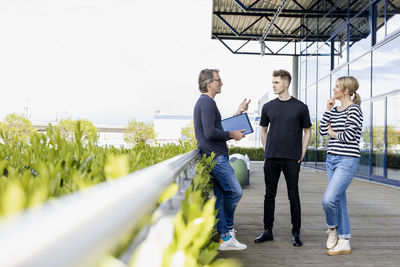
{"x": 274, "y": 27}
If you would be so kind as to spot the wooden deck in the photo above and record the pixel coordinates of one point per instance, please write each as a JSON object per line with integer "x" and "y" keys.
{"x": 374, "y": 212}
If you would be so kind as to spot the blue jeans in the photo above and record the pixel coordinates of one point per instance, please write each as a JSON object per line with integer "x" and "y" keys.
{"x": 341, "y": 171}
{"x": 228, "y": 193}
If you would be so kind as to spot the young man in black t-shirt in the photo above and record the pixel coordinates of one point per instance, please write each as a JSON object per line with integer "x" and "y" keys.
{"x": 286, "y": 118}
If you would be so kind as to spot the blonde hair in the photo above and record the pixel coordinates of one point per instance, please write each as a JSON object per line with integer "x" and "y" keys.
{"x": 351, "y": 84}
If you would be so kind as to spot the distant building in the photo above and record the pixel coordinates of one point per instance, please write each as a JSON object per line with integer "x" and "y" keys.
{"x": 168, "y": 127}
{"x": 111, "y": 139}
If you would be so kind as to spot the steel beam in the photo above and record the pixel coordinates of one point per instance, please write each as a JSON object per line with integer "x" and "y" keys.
{"x": 299, "y": 5}
{"x": 396, "y": 9}
{"x": 288, "y": 13}
{"x": 237, "y": 50}
{"x": 283, "y": 46}
{"x": 316, "y": 3}
{"x": 224, "y": 43}
{"x": 272, "y": 37}
{"x": 272, "y": 22}
{"x": 227, "y": 24}
{"x": 251, "y": 25}
{"x": 276, "y": 26}
{"x": 255, "y": 2}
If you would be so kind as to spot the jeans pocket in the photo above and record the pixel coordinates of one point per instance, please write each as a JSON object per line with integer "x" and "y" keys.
{"x": 349, "y": 163}
{"x": 220, "y": 159}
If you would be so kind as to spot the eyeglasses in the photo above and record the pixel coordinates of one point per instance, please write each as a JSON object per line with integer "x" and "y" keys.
{"x": 210, "y": 81}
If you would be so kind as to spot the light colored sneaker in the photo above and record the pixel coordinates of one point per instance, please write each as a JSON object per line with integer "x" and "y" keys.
{"x": 332, "y": 238}
{"x": 231, "y": 244}
{"x": 342, "y": 247}
{"x": 232, "y": 233}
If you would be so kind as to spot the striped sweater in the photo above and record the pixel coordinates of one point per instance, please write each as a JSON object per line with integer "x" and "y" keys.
{"x": 347, "y": 123}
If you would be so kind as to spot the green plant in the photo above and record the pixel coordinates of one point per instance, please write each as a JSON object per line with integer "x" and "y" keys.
{"x": 139, "y": 132}
{"x": 194, "y": 224}
{"x": 188, "y": 131}
{"x": 16, "y": 129}
{"x": 69, "y": 128}
{"x": 255, "y": 154}
{"x": 49, "y": 166}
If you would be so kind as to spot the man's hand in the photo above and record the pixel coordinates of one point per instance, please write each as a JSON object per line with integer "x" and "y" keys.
{"x": 243, "y": 106}
{"x": 302, "y": 157}
{"x": 264, "y": 133}
{"x": 306, "y": 142}
{"x": 237, "y": 135}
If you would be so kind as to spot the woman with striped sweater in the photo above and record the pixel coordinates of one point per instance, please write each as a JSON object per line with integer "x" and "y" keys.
{"x": 343, "y": 125}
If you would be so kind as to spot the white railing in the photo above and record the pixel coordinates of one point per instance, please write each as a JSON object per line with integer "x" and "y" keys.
{"x": 79, "y": 229}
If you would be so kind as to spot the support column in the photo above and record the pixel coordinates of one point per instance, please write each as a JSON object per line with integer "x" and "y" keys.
{"x": 295, "y": 75}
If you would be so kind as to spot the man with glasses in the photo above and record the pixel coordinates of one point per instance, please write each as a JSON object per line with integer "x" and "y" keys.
{"x": 212, "y": 138}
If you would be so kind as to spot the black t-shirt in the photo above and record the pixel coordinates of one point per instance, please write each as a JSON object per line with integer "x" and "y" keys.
{"x": 286, "y": 120}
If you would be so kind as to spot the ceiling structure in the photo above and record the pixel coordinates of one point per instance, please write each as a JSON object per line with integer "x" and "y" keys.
{"x": 276, "y": 27}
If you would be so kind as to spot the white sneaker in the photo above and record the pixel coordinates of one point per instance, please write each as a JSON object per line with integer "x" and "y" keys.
{"x": 342, "y": 247}
{"x": 332, "y": 238}
{"x": 232, "y": 244}
{"x": 232, "y": 233}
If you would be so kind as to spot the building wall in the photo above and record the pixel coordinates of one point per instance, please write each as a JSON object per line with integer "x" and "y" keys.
{"x": 168, "y": 127}
{"x": 111, "y": 139}
{"x": 375, "y": 61}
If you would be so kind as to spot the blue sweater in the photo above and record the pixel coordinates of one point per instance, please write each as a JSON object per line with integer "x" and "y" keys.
{"x": 207, "y": 127}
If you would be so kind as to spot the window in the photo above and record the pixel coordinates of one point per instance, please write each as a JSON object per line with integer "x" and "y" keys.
{"x": 311, "y": 151}
{"x": 311, "y": 99}
{"x": 365, "y": 139}
{"x": 341, "y": 72}
{"x": 324, "y": 93}
{"x": 311, "y": 69}
{"x": 360, "y": 36}
{"x": 302, "y": 96}
{"x": 386, "y": 68}
{"x": 322, "y": 145}
{"x": 393, "y": 19}
{"x": 324, "y": 60}
{"x": 380, "y": 21}
{"x": 393, "y": 137}
{"x": 361, "y": 69}
{"x": 303, "y": 71}
{"x": 378, "y": 138}
{"x": 340, "y": 48}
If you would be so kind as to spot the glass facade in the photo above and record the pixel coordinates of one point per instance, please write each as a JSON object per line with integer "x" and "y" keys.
{"x": 385, "y": 70}
{"x": 378, "y": 137}
{"x": 393, "y": 137}
{"x": 365, "y": 45}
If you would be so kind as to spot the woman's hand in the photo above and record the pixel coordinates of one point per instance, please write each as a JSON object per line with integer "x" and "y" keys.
{"x": 331, "y": 132}
{"x": 330, "y": 103}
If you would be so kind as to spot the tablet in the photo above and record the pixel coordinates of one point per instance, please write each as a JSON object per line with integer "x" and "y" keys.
{"x": 236, "y": 123}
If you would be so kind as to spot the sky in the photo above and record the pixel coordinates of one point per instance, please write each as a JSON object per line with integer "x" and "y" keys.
{"x": 110, "y": 61}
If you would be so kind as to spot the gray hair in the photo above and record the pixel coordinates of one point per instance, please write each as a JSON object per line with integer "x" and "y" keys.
{"x": 206, "y": 76}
